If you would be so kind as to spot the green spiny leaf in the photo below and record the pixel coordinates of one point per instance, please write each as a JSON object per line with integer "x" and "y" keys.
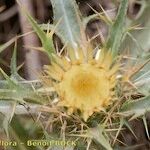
{"x": 47, "y": 42}
{"x": 138, "y": 42}
{"x": 11, "y": 82}
{"x": 139, "y": 46}
{"x": 116, "y": 34}
{"x": 13, "y": 65}
{"x": 136, "y": 108}
{"x": 69, "y": 29}
{"x": 18, "y": 92}
{"x": 97, "y": 135}
{"x": 142, "y": 80}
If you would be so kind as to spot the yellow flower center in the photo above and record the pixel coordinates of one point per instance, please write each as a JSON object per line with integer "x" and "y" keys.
{"x": 88, "y": 82}
{"x": 84, "y": 83}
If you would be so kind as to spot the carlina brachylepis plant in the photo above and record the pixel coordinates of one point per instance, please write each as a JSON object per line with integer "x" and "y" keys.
{"x": 97, "y": 87}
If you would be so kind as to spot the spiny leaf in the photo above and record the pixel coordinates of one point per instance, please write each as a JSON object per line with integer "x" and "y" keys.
{"x": 139, "y": 48}
{"x": 47, "y": 42}
{"x": 22, "y": 96}
{"x": 97, "y": 135}
{"x": 11, "y": 82}
{"x": 11, "y": 95}
{"x": 13, "y": 65}
{"x": 116, "y": 34}
{"x": 69, "y": 28}
{"x": 139, "y": 45}
{"x": 142, "y": 80}
{"x": 136, "y": 108}
{"x": 16, "y": 91}
{"x": 139, "y": 42}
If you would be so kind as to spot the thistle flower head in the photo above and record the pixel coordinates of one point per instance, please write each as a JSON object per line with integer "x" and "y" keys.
{"x": 85, "y": 86}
